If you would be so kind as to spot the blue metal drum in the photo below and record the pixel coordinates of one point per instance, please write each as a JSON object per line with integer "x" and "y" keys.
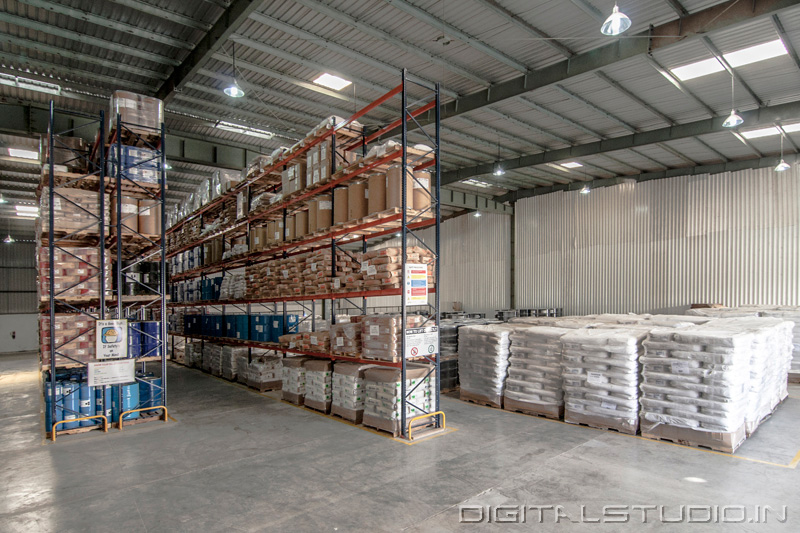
{"x": 134, "y": 339}
{"x": 129, "y": 400}
{"x": 87, "y": 404}
{"x": 71, "y": 393}
{"x": 100, "y": 394}
{"x": 151, "y": 334}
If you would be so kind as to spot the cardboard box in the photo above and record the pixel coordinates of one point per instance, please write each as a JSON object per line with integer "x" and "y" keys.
{"x": 421, "y": 190}
{"x": 301, "y": 224}
{"x": 290, "y": 227}
{"x": 376, "y": 194}
{"x": 324, "y": 212}
{"x": 349, "y": 389}
{"x": 312, "y": 217}
{"x": 357, "y": 200}
{"x": 340, "y": 205}
{"x": 150, "y": 217}
{"x": 394, "y": 188}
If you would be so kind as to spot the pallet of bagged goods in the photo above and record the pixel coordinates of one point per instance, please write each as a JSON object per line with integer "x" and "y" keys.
{"x": 381, "y": 336}
{"x": 77, "y": 274}
{"x": 294, "y": 380}
{"x": 349, "y": 391}
{"x": 346, "y": 338}
{"x": 483, "y": 353}
{"x": 382, "y": 269}
{"x": 74, "y": 339}
{"x": 319, "y": 384}
{"x": 383, "y": 398}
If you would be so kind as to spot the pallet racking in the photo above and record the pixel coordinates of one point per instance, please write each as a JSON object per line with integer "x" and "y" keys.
{"x": 403, "y": 221}
{"x": 102, "y": 239}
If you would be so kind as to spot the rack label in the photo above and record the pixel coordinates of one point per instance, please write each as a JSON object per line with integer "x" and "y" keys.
{"x": 111, "y": 372}
{"x": 416, "y": 289}
{"x": 112, "y": 339}
{"x": 422, "y": 341}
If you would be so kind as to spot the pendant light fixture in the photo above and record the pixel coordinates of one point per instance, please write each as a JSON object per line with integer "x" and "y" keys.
{"x": 233, "y": 90}
{"x": 2, "y": 199}
{"x": 616, "y": 23}
{"x": 733, "y": 119}
{"x": 498, "y": 168}
{"x": 9, "y": 239}
{"x": 783, "y": 166}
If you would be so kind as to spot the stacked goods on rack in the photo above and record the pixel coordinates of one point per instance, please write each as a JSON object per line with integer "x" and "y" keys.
{"x": 383, "y": 402}
{"x": 601, "y": 377}
{"x": 294, "y": 341}
{"x": 76, "y": 212}
{"x": 382, "y": 269}
{"x": 483, "y": 353}
{"x": 381, "y": 336}
{"x": 349, "y": 391}
{"x": 143, "y": 114}
{"x": 346, "y": 338}
{"x": 212, "y": 358}
{"x": 70, "y": 154}
{"x": 319, "y": 271}
{"x": 229, "y": 356}
{"x": 193, "y": 354}
{"x": 233, "y": 286}
{"x": 317, "y": 341}
{"x": 264, "y": 372}
{"x": 289, "y": 275}
{"x": 141, "y": 165}
{"x": 319, "y": 375}
{"x": 535, "y": 383}
{"x": 77, "y": 276}
{"x": 74, "y": 340}
{"x": 294, "y": 380}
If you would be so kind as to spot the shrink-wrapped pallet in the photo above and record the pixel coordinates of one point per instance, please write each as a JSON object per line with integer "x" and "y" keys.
{"x": 265, "y": 371}
{"x": 534, "y": 383}
{"x": 383, "y": 403}
{"x": 294, "y": 380}
{"x": 381, "y": 335}
{"x": 601, "y": 377}
{"x": 319, "y": 384}
{"x": 483, "y": 353}
{"x": 346, "y": 339}
{"x": 349, "y": 391}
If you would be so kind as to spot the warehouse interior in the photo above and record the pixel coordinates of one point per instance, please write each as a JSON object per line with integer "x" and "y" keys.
{"x": 380, "y": 265}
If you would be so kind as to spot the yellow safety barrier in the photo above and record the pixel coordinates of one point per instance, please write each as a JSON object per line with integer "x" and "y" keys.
{"x": 105, "y": 423}
{"x": 444, "y": 423}
{"x": 165, "y": 418}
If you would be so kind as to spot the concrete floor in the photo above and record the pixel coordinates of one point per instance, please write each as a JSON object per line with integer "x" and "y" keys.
{"x": 236, "y": 460}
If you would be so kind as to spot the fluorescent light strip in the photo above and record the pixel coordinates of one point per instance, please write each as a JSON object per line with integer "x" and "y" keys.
{"x": 332, "y": 82}
{"x": 762, "y": 132}
{"x": 791, "y": 128}
{"x": 27, "y": 214}
{"x": 244, "y": 130}
{"x": 477, "y": 183}
{"x": 29, "y": 208}
{"x": 23, "y": 154}
{"x": 739, "y": 58}
{"x": 571, "y": 164}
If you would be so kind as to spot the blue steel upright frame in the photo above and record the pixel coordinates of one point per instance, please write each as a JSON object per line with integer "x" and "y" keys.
{"x": 433, "y": 191}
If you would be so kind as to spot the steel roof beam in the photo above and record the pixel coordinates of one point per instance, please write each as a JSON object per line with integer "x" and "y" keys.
{"x": 595, "y": 108}
{"x": 723, "y": 16}
{"x": 676, "y": 153}
{"x": 776, "y": 21}
{"x": 526, "y": 26}
{"x": 104, "y": 22}
{"x": 646, "y": 157}
{"x": 44, "y": 48}
{"x": 561, "y": 118}
{"x": 747, "y": 143}
{"x": 452, "y": 31}
{"x": 590, "y": 10}
{"x": 500, "y": 133}
{"x": 368, "y": 29}
{"x": 616, "y": 85}
{"x": 225, "y": 26}
{"x": 162, "y": 13}
{"x": 732, "y": 71}
{"x": 35, "y": 25}
{"x": 529, "y": 127}
{"x": 322, "y": 42}
{"x": 620, "y": 162}
{"x": 677, "y": 8}
{"x": 766, "y": 115}
{"x": 679, "y": 85}
{"x": 732, "y": 166}
{"x": 714, "y": 151}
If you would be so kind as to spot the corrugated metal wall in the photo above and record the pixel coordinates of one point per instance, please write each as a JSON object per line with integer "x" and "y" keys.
{"x": 662, "y": 245}
{"x": 17, "y": 278}
{"x": 476, "y": 263}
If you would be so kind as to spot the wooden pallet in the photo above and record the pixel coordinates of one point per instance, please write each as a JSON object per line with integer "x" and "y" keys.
{"x": 135, "y": 136}
{"x": 264, "y": 387}
{"x": 143, "y": 418}
{"x": 316, "y": 409}
{"x": 479, "y": 400}
{"x": 76, "y": 431}
{"x": 599, "y": 422}
{"x": 541, "y": 411}
{"x": 705, "y": 440}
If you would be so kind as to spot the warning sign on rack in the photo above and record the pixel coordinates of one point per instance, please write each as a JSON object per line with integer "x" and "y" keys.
{"x": 421, "y": 342}
{"x": 416, "y": 289}
{"x": 112, "y": 339}
{"x": 111, "y": 372}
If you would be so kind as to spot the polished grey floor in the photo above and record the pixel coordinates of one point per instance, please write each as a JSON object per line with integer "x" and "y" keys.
{"x": 236, "y": 460}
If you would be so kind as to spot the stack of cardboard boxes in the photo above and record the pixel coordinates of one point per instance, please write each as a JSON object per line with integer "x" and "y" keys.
{"x": 76, "y": 273}
{"x": 319, "y": 374}
{"x": 349, "y": 391}
{"x": 294, "y": 380}
{"x": 73, "y": 327}
{"x": 76, "y": 212}
{"x": 383, "y": 403}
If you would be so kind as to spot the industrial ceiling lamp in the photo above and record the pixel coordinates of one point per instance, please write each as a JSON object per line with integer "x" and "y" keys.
{"x": 234, "y": 91}
{"x": 734, "y": 119}
{"x": 477, "y": 214}
{"x": 783, "y": 166}
{"x": 2, "y": 199}
{"x": 9, "y": 239}
{"x": 616, "y": 23}
{"x": 498, "y": 168}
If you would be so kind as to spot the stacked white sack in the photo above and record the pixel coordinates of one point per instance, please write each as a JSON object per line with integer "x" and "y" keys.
{"x": 534, "y": 373}
{"x": 601, "y": 374}
{"x": 697, "y": 378}
{"x": 791, "y": 314}
{"x": 483, "y": 353}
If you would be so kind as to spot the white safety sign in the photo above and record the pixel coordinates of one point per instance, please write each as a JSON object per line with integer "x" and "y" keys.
{"x": 421, "y": 342}
{"x": 111, "y": 372}
{"x": 112, "y": 339}
{"x": 416, "y": 289}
